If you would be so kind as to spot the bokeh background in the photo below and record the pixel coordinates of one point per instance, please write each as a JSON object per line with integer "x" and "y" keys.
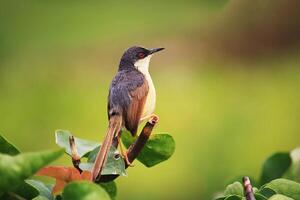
{"x": 228, "y": 83}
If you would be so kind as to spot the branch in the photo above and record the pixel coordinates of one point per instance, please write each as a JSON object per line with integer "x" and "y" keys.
{"x": 248, "y": 188}
{"x": 135, "y": 149}
{"x": 74, "y": 154}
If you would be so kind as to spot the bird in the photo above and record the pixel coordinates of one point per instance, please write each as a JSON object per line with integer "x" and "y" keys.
{"x": 131, "y": 100}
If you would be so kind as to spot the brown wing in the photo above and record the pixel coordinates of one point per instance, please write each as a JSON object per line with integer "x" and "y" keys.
{"x": 136, "y": 107}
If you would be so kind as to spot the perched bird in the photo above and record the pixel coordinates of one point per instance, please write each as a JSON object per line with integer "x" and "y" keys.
{"x": 131, "y": 100}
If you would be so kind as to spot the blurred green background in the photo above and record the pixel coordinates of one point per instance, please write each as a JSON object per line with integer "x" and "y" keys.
{"x": 228, "y": 83}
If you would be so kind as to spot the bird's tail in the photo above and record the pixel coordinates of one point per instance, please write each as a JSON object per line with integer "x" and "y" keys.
{"x": 115, "y": 123}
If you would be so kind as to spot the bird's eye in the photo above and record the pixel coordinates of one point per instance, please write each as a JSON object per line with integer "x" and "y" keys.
{"x": 141, "y": 55}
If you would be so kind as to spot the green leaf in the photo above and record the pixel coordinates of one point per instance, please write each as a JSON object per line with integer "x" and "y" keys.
{"x": 110, "y": 188}
{"x": 275, "y": 166}
{"x": 7, "y": 148}
{"x": 127, "y": 138}
{"x": 40, "y": 198}
{"x": 158, "y": 148}
{"x": 235, "y": 188}
{"x": 280, "y": 197}
{"x": 260, "y": 196}
{"x": 234, "y": 197}
{"x": 83, "y": 146}
{"x": 295, "y": 169}
{"x": 15, "y": 169}
{"x": 84, "y": 191}
{"x": 285, "y": 187}
{"x": 266, "y": 192}
{"x": 255, "y": 189}
{"x": 25, "y": 191}
{"x": 114, "y": 165}
{"x": 58, "y": 197}
{"x": 43, "y": 190}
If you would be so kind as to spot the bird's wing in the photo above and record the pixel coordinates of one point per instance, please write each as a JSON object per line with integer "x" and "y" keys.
{"x": 136, "y": 107}
{"x": 128, "y": 92}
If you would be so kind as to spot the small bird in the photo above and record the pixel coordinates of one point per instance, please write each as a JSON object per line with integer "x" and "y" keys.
{"x": 131, "y": 100}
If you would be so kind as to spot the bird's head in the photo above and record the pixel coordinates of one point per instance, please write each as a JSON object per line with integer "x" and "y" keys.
{"x": 138, "y": 57}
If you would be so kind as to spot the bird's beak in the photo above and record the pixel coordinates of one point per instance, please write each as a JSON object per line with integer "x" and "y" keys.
{"x": 152, "y": 51}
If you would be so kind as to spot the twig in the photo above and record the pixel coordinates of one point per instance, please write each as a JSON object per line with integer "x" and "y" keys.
{"x": 135, "y": 149}
{"x": 248, "y": 188}
{"x": 74, "y": 154}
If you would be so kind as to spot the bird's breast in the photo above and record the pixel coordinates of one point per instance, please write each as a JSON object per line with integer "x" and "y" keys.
{"x": 151, "y": 98}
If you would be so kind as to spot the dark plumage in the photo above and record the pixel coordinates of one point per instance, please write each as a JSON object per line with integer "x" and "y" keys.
{"x": 132, "y": 55}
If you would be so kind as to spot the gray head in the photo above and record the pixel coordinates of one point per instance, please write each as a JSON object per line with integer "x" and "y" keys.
{"x": 137, "y": 57}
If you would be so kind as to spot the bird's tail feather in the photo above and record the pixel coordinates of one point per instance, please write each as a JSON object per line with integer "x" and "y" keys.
{"x": 113, "y": 129}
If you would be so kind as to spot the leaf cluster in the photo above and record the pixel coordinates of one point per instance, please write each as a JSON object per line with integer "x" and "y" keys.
{"x": 279, "y": 179}
{"x": 18, "y": 170}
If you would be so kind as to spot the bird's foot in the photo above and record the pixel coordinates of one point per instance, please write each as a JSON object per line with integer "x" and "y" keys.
{"x": 153, "y": 119}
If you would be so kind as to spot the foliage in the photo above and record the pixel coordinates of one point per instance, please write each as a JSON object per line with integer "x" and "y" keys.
{"x": 159, "y": 148}
{"x": 278, "y": 180}
{"x": 275, "y": 166}
{"x": 83, "y": 146}
{"x": 63, "y": 175}
{"x": 89, "y": 149}
{"x": 84, "y": 191}
{"x": 16, "y": 169}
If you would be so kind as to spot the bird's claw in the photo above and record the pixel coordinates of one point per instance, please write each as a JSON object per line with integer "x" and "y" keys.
{"x": 153, "y": 119}
{"x": 125, "y": 155}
